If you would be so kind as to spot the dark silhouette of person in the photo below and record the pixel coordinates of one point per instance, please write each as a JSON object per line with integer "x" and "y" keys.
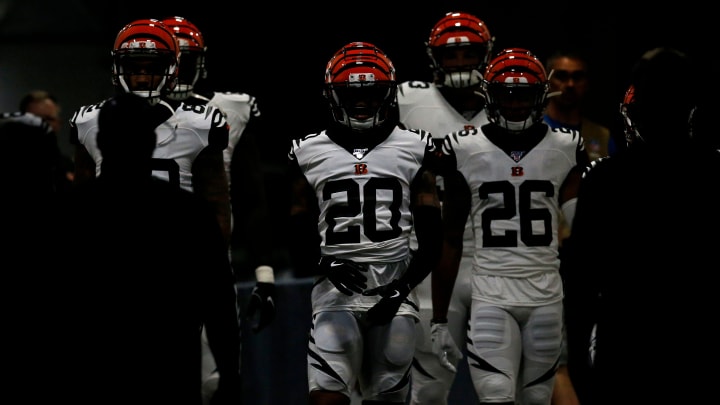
{"x": 148, "y": 267}
{"x": 28, "y": 208}
{"x": 647, "y": 296}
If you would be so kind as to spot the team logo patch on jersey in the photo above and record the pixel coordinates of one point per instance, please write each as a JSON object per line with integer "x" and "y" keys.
{"x": 360, "y": 153}
{"x": 516, "y": 155}
{"x": 360, "y": 168}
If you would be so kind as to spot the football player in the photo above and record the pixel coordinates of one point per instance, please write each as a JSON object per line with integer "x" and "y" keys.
{"x": 459, "y": 46}
{"x": 191, "y": 137}
{"x": 360, "y": 185}
{"x": 242, "y": 161}
{"x": 516, "y": 177}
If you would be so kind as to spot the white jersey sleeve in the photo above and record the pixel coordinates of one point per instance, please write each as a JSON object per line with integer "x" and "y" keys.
{"x": 239, "y": 109}
{"x": 84, "y": 127}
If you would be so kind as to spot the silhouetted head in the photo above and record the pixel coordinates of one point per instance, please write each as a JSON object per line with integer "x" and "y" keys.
{"x": 126, "y": 134}
{"x": 664, "y": 96}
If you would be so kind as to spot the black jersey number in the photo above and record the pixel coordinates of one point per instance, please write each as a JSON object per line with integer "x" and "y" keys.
{"x": 527, "y": 214}
{"x": 418, "y": 85}
{"x": 368, "y": 208}
{"x": 218, "y": 116}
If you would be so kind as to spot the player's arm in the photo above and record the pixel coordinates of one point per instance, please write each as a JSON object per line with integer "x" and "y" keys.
{"x": 218, "y": 295}
{"x": 569, "y": 189}
{"x": 249, "y": 200}
{"x": 303, "y": 221}
{"x": 580, "y": 277}
{"x": 427, "y": 222}
{"x": 84, "y": 165}
{"x": 85, "y": 168}
{"x": 568, "y": 194}
{"x": 563, "y": 389}
{"x": 209, "y": 178}
{"x": 425, "y": 207}
{"x": 250, "y": 213}
{"x": 456, "y": 208}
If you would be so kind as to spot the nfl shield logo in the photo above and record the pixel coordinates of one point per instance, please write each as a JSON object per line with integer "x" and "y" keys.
{"x": 360, "y": 153}
{"x": 516, "y": 155}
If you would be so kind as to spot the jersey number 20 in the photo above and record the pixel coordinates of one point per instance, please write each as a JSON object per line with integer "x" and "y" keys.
{"x": 367, "y": 207}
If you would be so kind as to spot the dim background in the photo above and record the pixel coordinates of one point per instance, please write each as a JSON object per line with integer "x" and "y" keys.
{"x": 278, "y": 52}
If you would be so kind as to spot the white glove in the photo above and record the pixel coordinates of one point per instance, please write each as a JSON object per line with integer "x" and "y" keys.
{"x": 444, "y": 346}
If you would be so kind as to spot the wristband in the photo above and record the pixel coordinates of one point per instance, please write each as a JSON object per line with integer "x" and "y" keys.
{"x": 264, "y": 274}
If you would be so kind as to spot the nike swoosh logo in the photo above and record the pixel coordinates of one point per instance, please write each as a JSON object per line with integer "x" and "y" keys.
{"x": 396, "y": 294}
{"x": 335, "y": 264}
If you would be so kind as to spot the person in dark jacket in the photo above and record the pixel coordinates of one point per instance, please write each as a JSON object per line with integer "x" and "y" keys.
{"x": 644, "y": 301}
{"x": 147, "y": 267}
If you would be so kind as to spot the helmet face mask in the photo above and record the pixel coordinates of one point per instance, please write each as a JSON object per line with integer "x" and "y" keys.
{"x": 145, "y": 59}
{"x": 143, "y": 74}
{"x": 360, "y": 86}
{"x": 515, "y": 87}
{"x": 460, "y": 64}
{"x": 459, "y": 47}
{"x": 361, "y": 103}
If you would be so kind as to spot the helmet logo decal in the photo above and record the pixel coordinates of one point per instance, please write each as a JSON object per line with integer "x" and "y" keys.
{"x": 146, "y": 44}
{"x": 361, "y": 77}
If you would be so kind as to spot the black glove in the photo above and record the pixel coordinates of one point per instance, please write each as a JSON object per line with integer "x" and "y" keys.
{"x": 261, "y": 307}
{"x": 346, "y": 275}
{"x": 384, "y": 311}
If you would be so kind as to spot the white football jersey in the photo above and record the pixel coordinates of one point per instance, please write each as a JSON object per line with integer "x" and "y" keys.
{"x": 514, "y": 214}
{"x": 239, "y": 109}
{"x": 180, "y": 138}
{"x": 364, "y": 196}
{"x": 364, "y": 201}
{"x": 423, "y": 106}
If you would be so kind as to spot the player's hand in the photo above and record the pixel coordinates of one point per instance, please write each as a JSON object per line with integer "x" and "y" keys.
{"x": 444, "y": 347}
{"x": 384, "y": 311}
{"x": 261, "y": 307}
{"x": 346, "y": 275}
